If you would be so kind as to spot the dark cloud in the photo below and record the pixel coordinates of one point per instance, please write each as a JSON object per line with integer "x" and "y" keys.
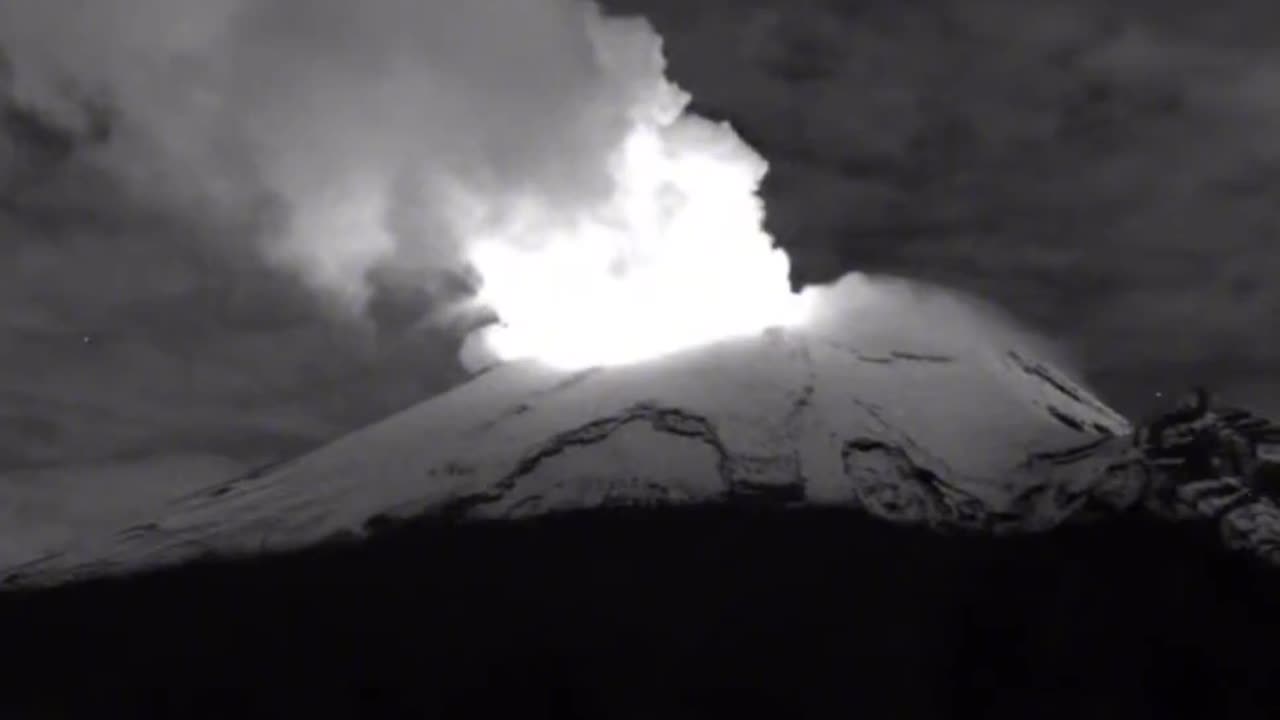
{"x": 1107, "y": 172}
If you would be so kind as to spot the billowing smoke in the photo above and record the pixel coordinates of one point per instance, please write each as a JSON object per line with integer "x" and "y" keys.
{"x": 368, "y": 121}
{"x": 534, "y": 144}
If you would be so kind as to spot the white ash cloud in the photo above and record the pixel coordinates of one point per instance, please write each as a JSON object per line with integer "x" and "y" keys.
{"x": 350, "y": 129}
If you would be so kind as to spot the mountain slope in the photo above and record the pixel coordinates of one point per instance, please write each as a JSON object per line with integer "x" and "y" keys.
{"x": 916, "y": 430}
{"x": 42, "y": 510}
{"x": 777, "y": 588}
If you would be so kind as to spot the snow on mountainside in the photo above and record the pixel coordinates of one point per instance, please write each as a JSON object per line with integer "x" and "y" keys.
{"x": 44, "y": 509}
{"x": 951, "y": 434}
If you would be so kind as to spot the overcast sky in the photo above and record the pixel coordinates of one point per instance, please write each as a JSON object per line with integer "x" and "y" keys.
{"x": 1107, "y": 171}
{"x": 1108, "y": 175}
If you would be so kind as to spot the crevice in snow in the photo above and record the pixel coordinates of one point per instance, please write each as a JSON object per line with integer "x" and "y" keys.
{"x": 223, "y": 489}
{"x": 745, "y": 477}
{"x": 19, "y": 573}
{"x": 890, "y": 484}
{"x": 921, "y": 357}
{"x": 1069, "y": 389}
{"x": 895, "y": 430}
{"x": 1066, "y": 419}
{"x": 672, "y": 421}
{"x": 1041, "y": 372}
{"x": 892, "y": 356}
{"x": 530, "y": 400}
{"x": 138, "y": 530}
{"x": 1067, "y": 456}
{"x": 514, "y": 411}
{"x": 1102, "y": 429}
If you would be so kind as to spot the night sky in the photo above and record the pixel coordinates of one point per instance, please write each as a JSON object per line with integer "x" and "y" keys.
{"x": 1105, "y": 171}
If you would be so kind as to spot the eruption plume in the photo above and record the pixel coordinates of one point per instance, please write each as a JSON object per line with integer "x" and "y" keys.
{"x": 676, "y": 257}
{"x": 533, "y": 145}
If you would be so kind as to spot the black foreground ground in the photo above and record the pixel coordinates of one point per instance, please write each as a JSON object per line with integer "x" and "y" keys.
{"x": 668, "y": 615}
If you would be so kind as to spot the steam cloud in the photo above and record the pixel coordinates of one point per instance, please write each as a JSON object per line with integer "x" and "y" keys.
{"x": 367, "y": 130}
{"x": 382, "y": 134}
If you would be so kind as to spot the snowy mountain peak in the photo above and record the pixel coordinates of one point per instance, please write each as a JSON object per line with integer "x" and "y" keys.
{"x": 958, "y": 438}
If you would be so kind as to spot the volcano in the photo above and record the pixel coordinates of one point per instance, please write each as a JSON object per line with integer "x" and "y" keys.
{"x": 869, "y": 414}
{"x": 837, "y": 520}
{"x": 988, "y": 440}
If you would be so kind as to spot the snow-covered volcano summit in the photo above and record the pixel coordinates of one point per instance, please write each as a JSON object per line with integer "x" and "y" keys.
{"x": 909, "y": 427}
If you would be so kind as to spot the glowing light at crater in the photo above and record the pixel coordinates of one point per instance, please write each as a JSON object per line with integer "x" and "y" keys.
{"x": 676, "y": 258}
